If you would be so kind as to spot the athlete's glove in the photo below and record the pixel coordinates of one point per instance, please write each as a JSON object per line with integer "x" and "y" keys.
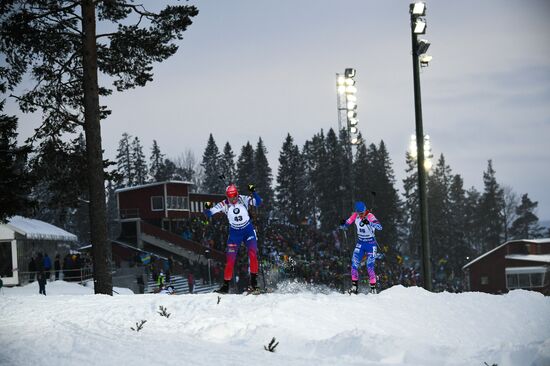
{"x": 343, "y": 224}
{"x": 208, "y": 205}
{"x": 251, "y": 188}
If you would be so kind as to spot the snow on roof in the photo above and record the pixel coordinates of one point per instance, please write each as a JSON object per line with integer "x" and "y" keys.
{"x": 530, "y": 257}
{"x": 36, "y": 229}
{"x": 528, "y": 241}
{"x": 125, "y": 189}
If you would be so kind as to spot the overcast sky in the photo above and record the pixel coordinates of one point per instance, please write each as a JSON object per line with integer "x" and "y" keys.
{"x": 250, "y": 69}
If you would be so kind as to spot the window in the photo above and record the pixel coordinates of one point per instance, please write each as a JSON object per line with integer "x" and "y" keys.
{"x": 524, "y": 280}
{"x": 157, "y": 203}
{"x": 536, "y": 279}
{"x": 177, "y": 203}
{"x": 484, "y": 280}
{"x": 512, "y": 280}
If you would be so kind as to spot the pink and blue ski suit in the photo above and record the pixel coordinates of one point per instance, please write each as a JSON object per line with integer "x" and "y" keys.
{"x": 366, "y": 224}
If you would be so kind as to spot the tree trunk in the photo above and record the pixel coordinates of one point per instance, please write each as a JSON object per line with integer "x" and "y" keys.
{"x": 98, "y": 222}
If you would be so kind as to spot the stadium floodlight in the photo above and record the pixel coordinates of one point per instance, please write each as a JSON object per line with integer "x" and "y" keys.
{"x": 350, "y": 73}
{"x": 353, "y": 129}
{"x": 341, "y": 89}
{"x": 352, "y": 98}
{"x": 340, "y": 80}
{"x": 425, "y": 60}
{"x": 418, "y": 9}
{"x": 351, "y": 89}
{"x": 355, "y": 140}
{"x": 351, "y": 105}
{"x": 353, "y": 121}
{"x": 423, "y": 46}
{"x": 419, "y": 26}
{"x": 350, "y": 82}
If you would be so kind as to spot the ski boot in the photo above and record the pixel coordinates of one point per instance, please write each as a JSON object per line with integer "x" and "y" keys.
{"x": 253, "y": 287}
{"x": 374, "y": 288}
{"x": 224, "y": 289}
{"x": 354, "y": 288}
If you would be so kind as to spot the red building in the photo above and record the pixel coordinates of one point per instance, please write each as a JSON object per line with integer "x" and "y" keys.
{"x": 516, "y": 264}
{"x": 153, "y": 217}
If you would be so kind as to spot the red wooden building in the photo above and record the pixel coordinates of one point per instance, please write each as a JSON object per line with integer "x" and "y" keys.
{"x": 516, "y": 264}
{"x": 153, "y": 216}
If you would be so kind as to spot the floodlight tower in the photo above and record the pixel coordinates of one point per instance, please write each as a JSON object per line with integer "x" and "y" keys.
{"x": 420, "y": 59}
{"x": 346, "y": 101}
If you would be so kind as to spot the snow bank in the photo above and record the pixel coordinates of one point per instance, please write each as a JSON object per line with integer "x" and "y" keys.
{"x": 400, "y": 326}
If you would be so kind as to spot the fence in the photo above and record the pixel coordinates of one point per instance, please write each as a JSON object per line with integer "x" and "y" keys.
{"x": 79, "y": 275}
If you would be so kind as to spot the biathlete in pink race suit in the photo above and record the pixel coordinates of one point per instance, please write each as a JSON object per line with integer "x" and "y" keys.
{"x": 241, "y": 230}
{"x": 366, "y": 224}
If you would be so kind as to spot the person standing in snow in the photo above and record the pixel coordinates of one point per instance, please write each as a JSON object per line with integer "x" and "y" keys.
{"x": 41, "y": 278}
{"x": 241, "y": 230}
{"x": 366, "y": 224}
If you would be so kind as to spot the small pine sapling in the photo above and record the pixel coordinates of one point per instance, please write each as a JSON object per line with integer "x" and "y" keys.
{"x": 272, "y": 345}
{"x": 139, "y": 325}
{"x": 163, "y": 311}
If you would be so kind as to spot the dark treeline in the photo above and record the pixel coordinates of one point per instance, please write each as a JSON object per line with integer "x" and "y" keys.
{"x": 316, "y": 185}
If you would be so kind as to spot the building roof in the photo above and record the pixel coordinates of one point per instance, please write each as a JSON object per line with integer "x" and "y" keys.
{"x": 126, "y": 189}
{"x": 36, "y": 229}
{"x": 528, "y": 241}
{"x": 530, "y": 257}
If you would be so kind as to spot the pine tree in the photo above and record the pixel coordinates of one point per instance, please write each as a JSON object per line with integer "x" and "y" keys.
{"x": 56, "y": 44}
{"x": 314, "y": 154}
{"x": 211, "y": 182}
{"x": 124, "y": 162}
{"x": 16, "y": 182}
{"x": 227, "y": 163}
{"x": 458, "y": 248}
{"x": 245, "y": 168}
{"x": 473, "y": 226}
{"x": 439, "y": 209}
{"x": 139, "y": 166}
{"x": 167, "y": 170}
{"x": 336, "y": 206}
{"x": 290, "y": 188}
{"x": 526, "y": 226}
{"x": 387, "y": 206}
{"x": 491, "y": 206}
{"x": 156, "y": 161}
{"x": 412, "y": 208}
{"x": 263, "y": 177}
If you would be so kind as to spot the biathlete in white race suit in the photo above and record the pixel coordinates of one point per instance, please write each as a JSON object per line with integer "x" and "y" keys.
{"x": 366, "y": 223}
{"x": 240, "y": 230}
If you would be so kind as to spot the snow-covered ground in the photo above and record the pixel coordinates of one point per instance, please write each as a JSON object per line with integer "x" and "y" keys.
{"x": 400, "y": 326}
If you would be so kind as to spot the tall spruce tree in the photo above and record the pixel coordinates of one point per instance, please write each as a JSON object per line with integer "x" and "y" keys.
{"x": 211, "y": 182}
{"x": 458, "y": 248}
{"x": 314, "y": 154}
{"x": 291, "y": 195}
{"x": 56, "y": 44}
{"x": 263, "y": 177}
{"x": 155, "y": 162}
{"x": 439, "y": 210}
{"x": 526, "y": 226}
{"x": 125, "y": 168}
{"x": 16, "y": 182}
{"x": 384, "y": 197}
{"x": 336, "y": 206}
{"x": 490, "y": 207}
{"x": 474, "y": 226}
{"x": 227, "y": 163}
{"x": 412, "y": 209}
{"x": 138, "y": 162}
{"x": 245, "y": 168}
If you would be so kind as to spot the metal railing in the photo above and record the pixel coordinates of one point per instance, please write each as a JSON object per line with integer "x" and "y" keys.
{"x": 79, "y": 275}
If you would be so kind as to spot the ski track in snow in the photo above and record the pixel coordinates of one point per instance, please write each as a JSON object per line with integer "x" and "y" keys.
{"x": 400, "y": 326}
